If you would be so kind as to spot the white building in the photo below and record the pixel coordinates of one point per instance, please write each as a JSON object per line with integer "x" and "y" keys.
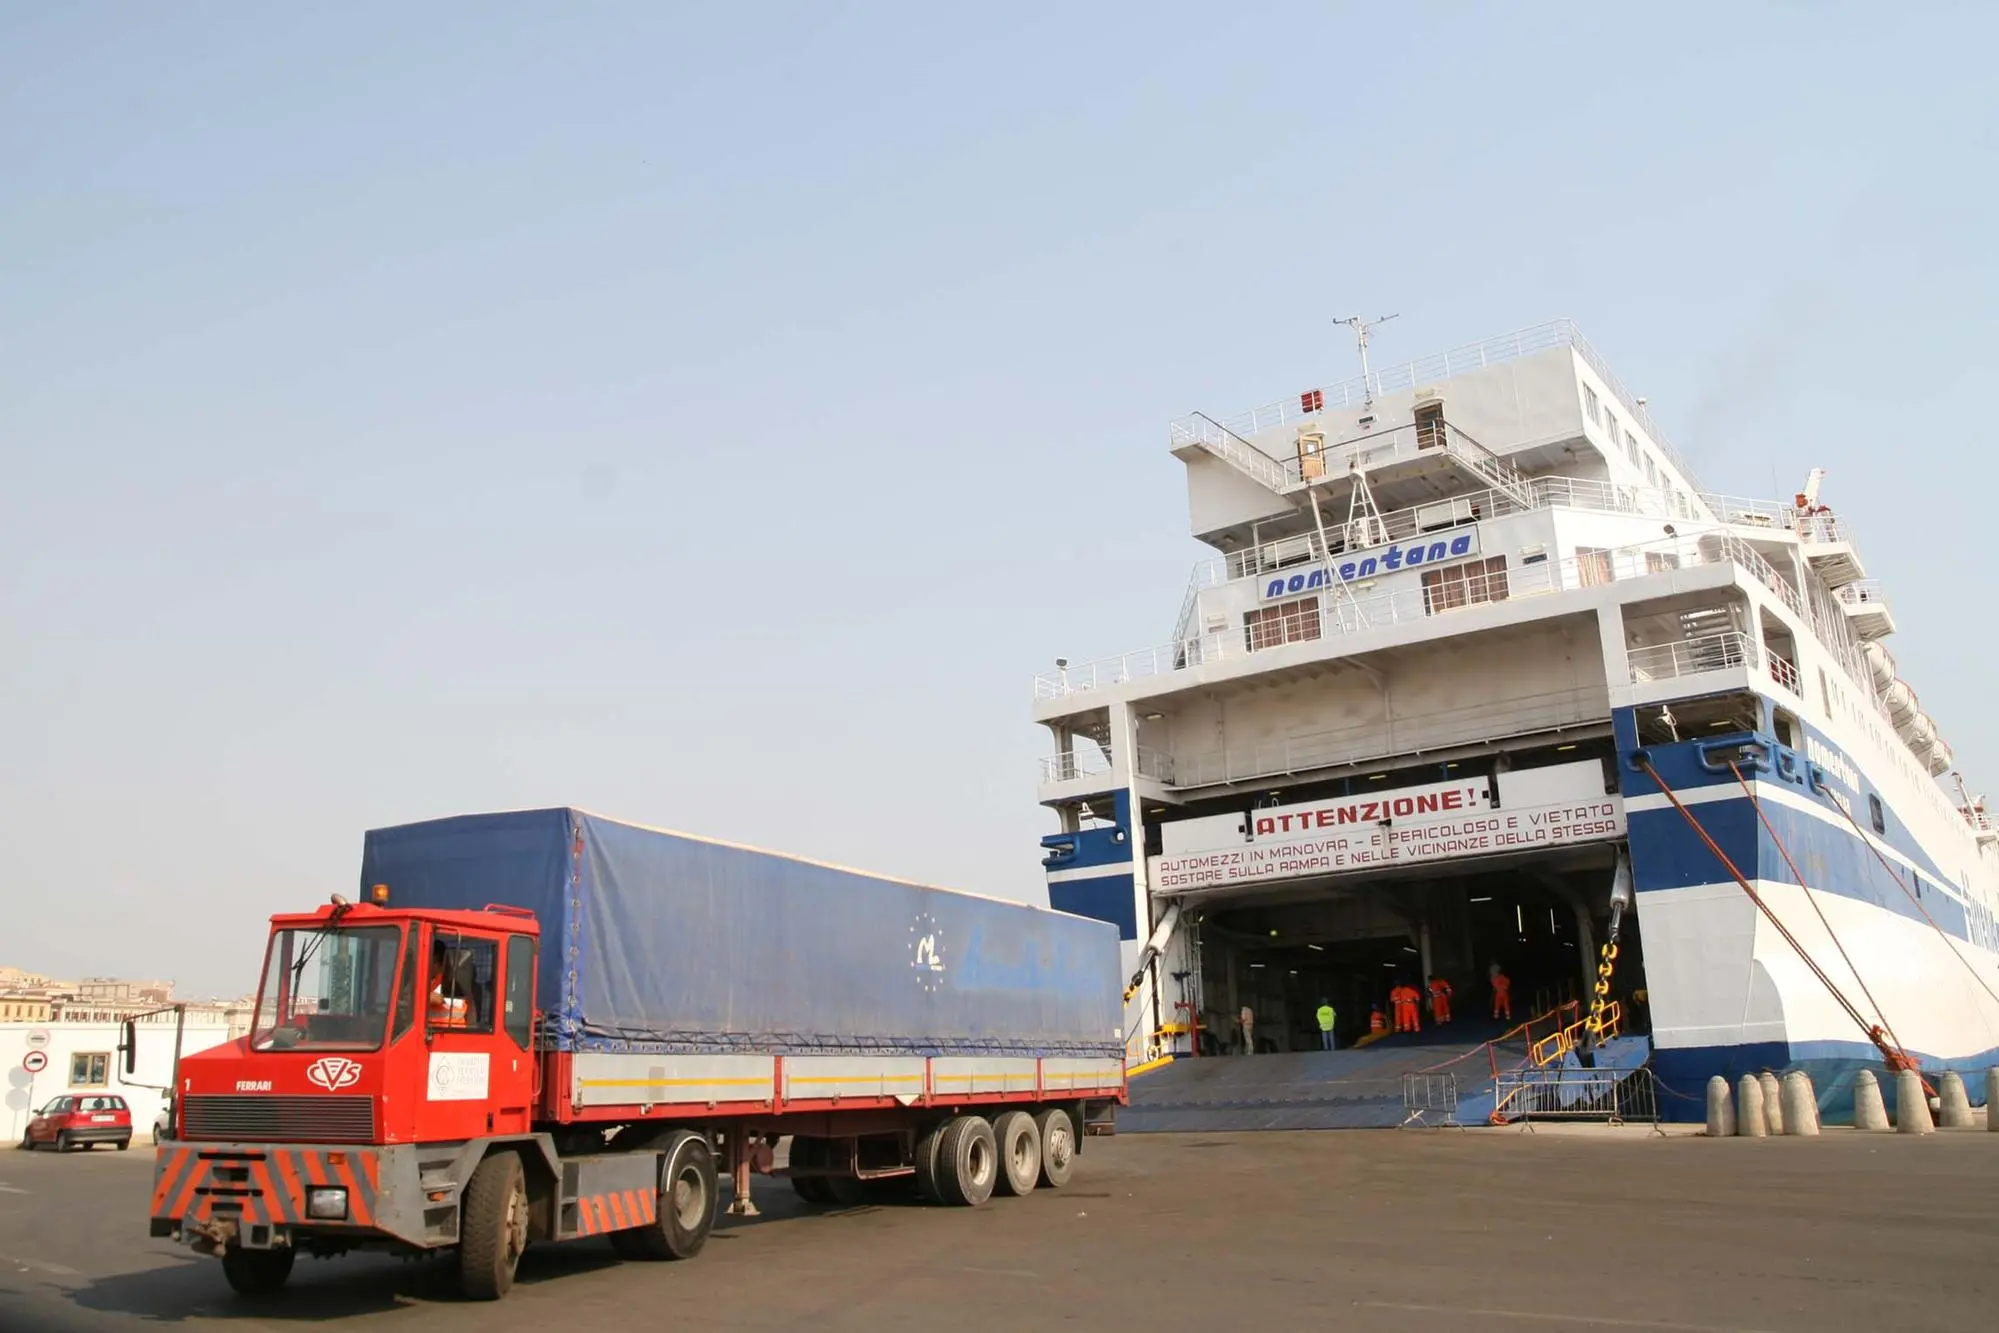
{"x": 84, "y": 1057}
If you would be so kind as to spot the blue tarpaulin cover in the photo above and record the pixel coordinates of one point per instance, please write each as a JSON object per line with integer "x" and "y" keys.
{"x": 657, "y": 940}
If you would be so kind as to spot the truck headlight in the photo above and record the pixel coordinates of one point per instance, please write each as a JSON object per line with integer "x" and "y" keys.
{"x": 327, "y": 1204}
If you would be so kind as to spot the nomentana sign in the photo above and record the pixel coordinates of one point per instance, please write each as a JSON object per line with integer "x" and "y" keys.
{"x": 1540, "y": 807}
{"x": 1416, "y": 553}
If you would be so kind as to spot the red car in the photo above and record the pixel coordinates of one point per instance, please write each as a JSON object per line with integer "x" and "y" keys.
{"x": 81, "y": 1120}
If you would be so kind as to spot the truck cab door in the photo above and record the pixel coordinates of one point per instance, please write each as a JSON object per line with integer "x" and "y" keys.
{"x": 478, "y": 1074}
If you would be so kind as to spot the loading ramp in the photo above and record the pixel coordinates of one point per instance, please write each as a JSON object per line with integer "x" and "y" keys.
{"x": 1350, "y": 1089}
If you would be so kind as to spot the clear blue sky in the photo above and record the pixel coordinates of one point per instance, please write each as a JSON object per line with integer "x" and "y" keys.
{"x": 714, "y": 414}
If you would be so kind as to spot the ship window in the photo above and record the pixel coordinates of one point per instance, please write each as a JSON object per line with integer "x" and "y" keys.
{"x": 1631, "y": 447}
{"x": 1785, "y": 726}
{"x": 1286, "y": 622}
{"x": 1658, "y": 562}
{"x": 1462, "y": 585}
{"x": 1825, "y": 692}
{"x": 1592, "y": 565}
{"x": 1589, "y": 405}
{"x": 1875, "y": 815}
{"x": 1651, "y": 473}
{"x": 1610, "y": 426}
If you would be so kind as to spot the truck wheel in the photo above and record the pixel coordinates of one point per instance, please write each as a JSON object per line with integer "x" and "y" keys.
{"x": 493, "y": 1229}
{"x": 257, "y": 1272}
{"x": 1058, "y": 1146}
{"x": 1019, "y": 1142}
{"x": 809, "y": 1153}
{"x": 927, "y": 1144}
{"x": 967, "y": 1162}
{"x": 688, "y": 1201}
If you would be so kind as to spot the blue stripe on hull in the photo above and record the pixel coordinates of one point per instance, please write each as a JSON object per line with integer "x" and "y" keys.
{"x": 1111, "y": 898}
{"x": 1666, "y": 853}
{"x": 1683, "y": 1073}
{"x": 1680, "y": 765}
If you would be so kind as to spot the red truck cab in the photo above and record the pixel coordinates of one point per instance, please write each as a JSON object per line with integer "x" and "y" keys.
{"x": 377, "y": 1026}
{"x": 376, "y": 1031}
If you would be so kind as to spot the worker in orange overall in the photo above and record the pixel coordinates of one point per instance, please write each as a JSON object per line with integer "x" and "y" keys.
{"x": 1502, "y": 994}
{"x": 1405, "y": 999}
{"x": 1440, "y": 1001}
{"x": 1377, "y": 1021}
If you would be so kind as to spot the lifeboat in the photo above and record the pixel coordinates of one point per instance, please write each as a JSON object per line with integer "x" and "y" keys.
{"x": 1879, "y": 663}
{"x": 1900, "y": 701}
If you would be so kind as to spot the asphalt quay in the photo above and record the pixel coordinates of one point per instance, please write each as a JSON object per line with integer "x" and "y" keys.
{"x": 1490, "y": 1229}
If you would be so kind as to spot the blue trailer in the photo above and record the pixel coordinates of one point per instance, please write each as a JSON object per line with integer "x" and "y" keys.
{"x": 697, "y": 997}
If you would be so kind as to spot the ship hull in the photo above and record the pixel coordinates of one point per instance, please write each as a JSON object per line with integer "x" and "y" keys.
{"x": 1878, "y": 932}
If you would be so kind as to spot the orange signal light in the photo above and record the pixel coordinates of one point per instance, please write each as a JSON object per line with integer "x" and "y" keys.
{"x": 380, "y": 893}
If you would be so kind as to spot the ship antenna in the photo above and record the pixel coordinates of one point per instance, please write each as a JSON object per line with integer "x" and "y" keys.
{"x": 1361, "y": 329}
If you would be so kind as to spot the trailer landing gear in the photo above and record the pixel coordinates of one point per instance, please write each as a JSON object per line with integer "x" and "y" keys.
{"x": 741, "y": 1204}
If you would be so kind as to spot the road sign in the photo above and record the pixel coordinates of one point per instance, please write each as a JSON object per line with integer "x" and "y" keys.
{"x": 38, "y": 1038}
{"x": 35, "y": 1061}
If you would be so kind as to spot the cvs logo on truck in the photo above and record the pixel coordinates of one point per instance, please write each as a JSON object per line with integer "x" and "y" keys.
{"x": 334, "y": 1072}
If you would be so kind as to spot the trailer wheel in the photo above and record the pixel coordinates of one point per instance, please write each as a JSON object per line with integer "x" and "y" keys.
{"x": 494, "y": 1227}
{"x": 257, "y": 1272}
{"x": 1019, "y": 1144}
{"x": 688, "y": 1201}
{"x": 967, "y": 1161}
{"x": 809, "y": 1152}
{"x": 1058, "y": 1146}
{"x": 927, "y": 1145}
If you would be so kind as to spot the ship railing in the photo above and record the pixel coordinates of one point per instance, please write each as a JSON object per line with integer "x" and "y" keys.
{"x": 1354, "y": 392}
{"x": 1203, "y": 430}
{"x": 1785, "y": 673}
{"x": 1865, "y": 592}
{"x": 1593, "y": 496}
{"x": 1369, "y": 741}
{"x": 1693, "y": 657}
{"x": 1822, "y": 529}
{"x": 1095, "y": 763}
{"x": 1338, "y": 609}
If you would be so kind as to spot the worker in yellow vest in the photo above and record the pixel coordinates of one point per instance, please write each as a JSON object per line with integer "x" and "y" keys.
{"x": 1327, "y": 1017}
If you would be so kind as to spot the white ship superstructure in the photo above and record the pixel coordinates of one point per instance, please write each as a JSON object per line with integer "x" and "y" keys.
{"x": 1473, "y": 637}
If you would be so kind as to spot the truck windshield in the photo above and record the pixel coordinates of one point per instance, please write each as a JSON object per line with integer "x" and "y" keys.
{"x": 327, "y": 988}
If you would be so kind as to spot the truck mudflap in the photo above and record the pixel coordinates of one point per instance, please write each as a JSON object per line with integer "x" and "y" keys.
{"x": 258, "y": 1195}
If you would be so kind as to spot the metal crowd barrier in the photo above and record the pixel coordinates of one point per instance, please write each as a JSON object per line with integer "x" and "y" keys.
{"x": 1430, "y": 1095}
{"x": 1615, "y": 1096}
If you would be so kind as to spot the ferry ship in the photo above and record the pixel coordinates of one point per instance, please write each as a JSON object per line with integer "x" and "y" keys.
{"x": 1479, "y": 679}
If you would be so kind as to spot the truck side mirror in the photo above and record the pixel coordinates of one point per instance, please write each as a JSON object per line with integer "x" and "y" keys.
{"x": 130, "y": 1046}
